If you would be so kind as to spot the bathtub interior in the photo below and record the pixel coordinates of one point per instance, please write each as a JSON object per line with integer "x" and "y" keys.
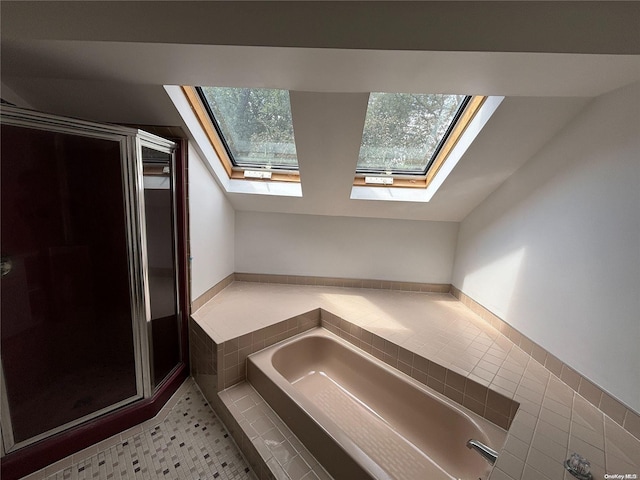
{"x": 405, "y": 428}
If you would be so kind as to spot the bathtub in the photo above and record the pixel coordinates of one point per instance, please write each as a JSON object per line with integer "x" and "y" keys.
{"x": 363, "y": 419}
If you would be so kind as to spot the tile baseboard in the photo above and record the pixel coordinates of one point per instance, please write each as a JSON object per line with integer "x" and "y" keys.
{"x": 212, "y": 292}
{"x": 344, "y": 282}
{"x": 320, "y": 281}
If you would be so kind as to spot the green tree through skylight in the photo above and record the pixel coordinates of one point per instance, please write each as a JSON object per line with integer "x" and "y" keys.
{"x": 256, "y": 124}
{"x": 403, "y": 130}
{"x": 401, "y": 134}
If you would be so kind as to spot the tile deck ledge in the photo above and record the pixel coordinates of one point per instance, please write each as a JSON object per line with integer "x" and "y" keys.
{"x": 553, "y": 420}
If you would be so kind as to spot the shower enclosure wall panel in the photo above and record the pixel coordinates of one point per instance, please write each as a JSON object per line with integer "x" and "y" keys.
{"x": 77, "y": 303}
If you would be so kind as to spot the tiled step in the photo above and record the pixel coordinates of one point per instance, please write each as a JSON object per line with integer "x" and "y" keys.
{"x": 271, "y": 448}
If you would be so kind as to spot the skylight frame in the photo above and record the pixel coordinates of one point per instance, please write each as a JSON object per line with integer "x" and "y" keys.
{"x": 401, "y": 179}
{"x": 233, "y": 173}
{"x": 411, "y": 173}
{"x": 236, "y": 164}
{"x": 478, "y": 114}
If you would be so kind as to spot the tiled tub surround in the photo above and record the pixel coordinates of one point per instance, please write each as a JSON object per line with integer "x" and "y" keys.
{"x": 219, "y": 366}
{"x": 208, "y": 359}
{"x": 622, "y": 415}
{"x": 362, "y": 418}
{"x": 552, "y": 421}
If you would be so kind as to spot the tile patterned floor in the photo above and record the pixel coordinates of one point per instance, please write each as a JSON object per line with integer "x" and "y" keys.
{"x": 190, "y": 443}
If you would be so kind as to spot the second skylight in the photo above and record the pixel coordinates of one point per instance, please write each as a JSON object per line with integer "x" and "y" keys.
{"x": 403, "y": 132}
{"x": 255, "y": 125}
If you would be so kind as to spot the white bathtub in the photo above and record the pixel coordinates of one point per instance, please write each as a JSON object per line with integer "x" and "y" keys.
{"x": 363, "y": 419}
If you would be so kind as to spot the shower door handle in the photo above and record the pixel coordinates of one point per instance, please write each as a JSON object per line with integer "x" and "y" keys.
{"x": 5, "y": 266}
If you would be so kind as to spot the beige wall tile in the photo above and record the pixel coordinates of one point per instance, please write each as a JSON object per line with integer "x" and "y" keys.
{"x": 390, "y": 360}
{"x": 570, "y": 377}
{"x": 526, "y": 345}
{"x": 555, "y": 419}
{"x": 504, "y": 383}
{"x": 589, "y": 391}
{"x": 476, "y": 391}
{"x": 405, "y": 356}
{"x": 438, "y": 372}
{"x": 519, "y": 430}
{"x": 620, "y": 444}
{"x": 338, "y": 282}
{"x": 538, "y": 353}
{"x": 557, "y": 407}
{"x": 474, "y": 405}
{"x": 404, "y": 368}
{"x": 554, "y": 365}
{"x": 545, "y": 464}
{"x": 455, "y": 395}
{"x": 516, "y": 447}
{"x": 455, "y": 380}
{"x": 366, "y": 337}
{"x": 632, "y": 423}
{"x": 509, "y": 464}
{"x": 595, "y": 438}
{"x": 212, "y": 292}
{"x": 436, "y": 384}
{"x": 499, "y": 403}
{"x": 588, "y": 451}
{"x": 613, "y": 408}
{"x": 498, "y": 474}
{"x": 419, "y": 376}
{"x": 556, "y": 434}
{"x": 379, "y": 354}
{"x": 500, "y": 420}
{"x": 421, "y": 363}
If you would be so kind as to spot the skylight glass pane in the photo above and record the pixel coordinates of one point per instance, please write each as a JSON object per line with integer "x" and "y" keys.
{"x": 255, "y": 124}
{"x": 403, "y": 131}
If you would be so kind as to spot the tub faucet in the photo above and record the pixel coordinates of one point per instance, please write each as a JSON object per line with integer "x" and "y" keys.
{"x": 489, "y": 454}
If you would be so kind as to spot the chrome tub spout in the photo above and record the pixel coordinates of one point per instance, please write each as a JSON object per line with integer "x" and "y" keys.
{"x": 489, "y": 454}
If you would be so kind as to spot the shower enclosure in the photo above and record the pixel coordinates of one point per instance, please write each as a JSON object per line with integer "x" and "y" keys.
{"x": 91, "y": 316}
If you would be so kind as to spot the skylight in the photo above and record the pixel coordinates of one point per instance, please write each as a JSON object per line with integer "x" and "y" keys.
{"x": 410, "y": 143}
{"x": 254, "y": 125}
{"x": 403, "y": 132}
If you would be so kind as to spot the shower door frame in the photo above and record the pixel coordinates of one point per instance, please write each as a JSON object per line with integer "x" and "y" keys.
{"x": 130, "y": 141}
{"x": 148, "y": 140}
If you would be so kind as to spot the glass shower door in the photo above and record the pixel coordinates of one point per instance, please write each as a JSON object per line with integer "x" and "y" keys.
{"x": 163, "y": 311}
{"x": 67, "y": 338}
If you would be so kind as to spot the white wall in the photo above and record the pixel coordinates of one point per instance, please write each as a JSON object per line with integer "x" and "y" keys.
{"x": 211, "y": 228}
{"x": 555, "y": 251}
{"x": 345, "y": 247}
